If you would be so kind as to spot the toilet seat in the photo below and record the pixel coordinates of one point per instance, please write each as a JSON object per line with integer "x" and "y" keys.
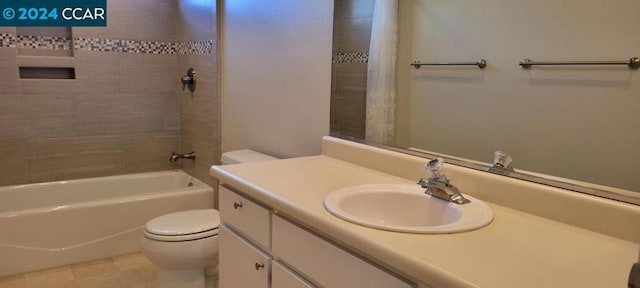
{"x": 183, "y": 226}
{"x": 181, "y": 238}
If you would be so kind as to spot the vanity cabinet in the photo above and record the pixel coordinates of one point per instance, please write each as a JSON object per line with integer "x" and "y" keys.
{"x": 256, "y": 245}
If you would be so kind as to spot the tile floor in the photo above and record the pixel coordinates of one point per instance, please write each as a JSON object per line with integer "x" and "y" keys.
{"x": 127, "y": 271}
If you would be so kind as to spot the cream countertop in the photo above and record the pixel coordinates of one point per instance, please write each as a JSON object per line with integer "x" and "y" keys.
{"x": 516, "y": 250}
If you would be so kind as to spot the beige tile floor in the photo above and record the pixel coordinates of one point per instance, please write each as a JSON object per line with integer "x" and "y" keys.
{"x": 127, "y": 271}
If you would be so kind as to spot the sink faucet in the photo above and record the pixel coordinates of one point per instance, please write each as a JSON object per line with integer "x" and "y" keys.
{"x": 175, "y": 156}
{"x": 438, "y": 185}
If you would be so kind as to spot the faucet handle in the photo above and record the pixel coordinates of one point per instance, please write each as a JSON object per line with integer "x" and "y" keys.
{"x": 501, "y": 162}
{"x": 434, "y": 168}
{"x": 189, "y": 80}
{"x": 501, "y": 159}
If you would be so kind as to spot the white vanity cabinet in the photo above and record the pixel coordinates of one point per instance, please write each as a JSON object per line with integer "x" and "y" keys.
{"x": 257, "y": 247}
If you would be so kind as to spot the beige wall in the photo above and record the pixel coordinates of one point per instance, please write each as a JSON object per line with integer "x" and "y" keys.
{"x": 579, "y": 123}
{"x": 276, "y": 75}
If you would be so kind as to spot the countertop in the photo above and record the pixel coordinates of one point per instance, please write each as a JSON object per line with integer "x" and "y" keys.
{"x": 516, "y": 250}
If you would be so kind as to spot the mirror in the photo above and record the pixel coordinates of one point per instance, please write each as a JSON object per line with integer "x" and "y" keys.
{"x": 574, "y": 127}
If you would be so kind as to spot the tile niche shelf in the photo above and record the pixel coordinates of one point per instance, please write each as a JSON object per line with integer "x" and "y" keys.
{"x": 45, "y": 41}
{"x": 46, "y": 67}
{"x": 45, "y": 53}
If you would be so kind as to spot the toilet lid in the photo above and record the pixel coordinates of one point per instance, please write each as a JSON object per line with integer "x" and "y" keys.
{"x": 184, "y": 223}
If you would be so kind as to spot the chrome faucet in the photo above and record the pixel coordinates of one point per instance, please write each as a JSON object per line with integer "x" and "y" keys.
{"x": 175, "y": 156}
{"x": 438, "y": 185}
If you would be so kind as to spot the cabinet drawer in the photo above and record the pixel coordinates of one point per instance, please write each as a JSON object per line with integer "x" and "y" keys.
{"x": 282, "y": 277}
{"x": 241, "y": 264}
{"x": 246, "y": 217}
{"x": 324, "y": 263}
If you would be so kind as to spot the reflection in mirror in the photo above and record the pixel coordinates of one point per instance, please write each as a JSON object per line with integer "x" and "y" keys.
{"x": 575, "y": 124}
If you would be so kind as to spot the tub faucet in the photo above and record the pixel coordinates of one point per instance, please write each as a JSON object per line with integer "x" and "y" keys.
{"x": 175, "y": 156}
{"x": 438, "y": 185}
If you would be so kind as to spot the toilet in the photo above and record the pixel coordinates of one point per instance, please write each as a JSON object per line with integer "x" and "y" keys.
{"x": 184, "y": 245}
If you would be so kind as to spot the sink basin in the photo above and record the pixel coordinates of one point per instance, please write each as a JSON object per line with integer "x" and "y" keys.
{"x": 406, "y": 208}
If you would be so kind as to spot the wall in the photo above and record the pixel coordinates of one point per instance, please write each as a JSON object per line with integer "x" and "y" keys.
{"x": 575, "y": 122}
{"x": 276, "y": 75}
{"x": 351, "y": 36}
{"x": 125, "y": 111}
{"x": 120, "y": 114}
{"x": 199, "y": 110}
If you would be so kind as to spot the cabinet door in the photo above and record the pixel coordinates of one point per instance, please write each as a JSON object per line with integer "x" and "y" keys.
{"x": 241, "y": 264}
{"x": 282, "y": 277}
{"x": 248, "y": 218}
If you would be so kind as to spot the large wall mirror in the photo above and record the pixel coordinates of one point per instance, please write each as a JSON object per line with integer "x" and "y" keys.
{"x": 575, "y": 126}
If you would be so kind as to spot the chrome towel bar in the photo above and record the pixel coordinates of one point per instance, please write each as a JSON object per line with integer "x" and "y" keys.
{"x": 480, "y": 63}
{"x": 633, "y": 63}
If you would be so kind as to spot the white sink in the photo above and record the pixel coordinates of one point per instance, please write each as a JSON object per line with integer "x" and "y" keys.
{"x": 406, "y": 208}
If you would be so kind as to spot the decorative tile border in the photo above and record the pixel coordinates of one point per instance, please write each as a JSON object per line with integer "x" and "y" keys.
{"x": 7, "y": 40}
{"x": 125, "y": 46}
{"x": 106, "y": 45}
{"x": 195, "y": 47}
{"x": 43, "y": 42}
{"x": 350, "y": 57}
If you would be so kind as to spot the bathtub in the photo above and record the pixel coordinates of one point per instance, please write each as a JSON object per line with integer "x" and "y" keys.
{"x": 57, "y": 223}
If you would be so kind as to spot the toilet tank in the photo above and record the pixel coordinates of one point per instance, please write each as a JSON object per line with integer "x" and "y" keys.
{"x": 244, "y": 156}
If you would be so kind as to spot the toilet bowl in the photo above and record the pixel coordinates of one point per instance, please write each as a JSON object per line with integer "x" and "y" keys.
{"x": 184, "y": 247}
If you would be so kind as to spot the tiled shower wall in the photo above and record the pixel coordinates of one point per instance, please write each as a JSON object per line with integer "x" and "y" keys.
{"x": 351, "y": 35}
{"x": 200, "y": 110}
{"x": 122, "y": 112}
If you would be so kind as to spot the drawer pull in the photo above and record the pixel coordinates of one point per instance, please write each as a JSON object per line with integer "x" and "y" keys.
{"x": 259, "y": 266}
{"x": 237, "y": 205}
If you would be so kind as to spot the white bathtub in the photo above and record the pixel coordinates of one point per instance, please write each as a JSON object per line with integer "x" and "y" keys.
{"x": 58, "y": 223}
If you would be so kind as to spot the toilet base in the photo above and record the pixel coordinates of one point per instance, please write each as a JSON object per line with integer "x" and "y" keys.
{"x": 211, "y": 281}
{"x": 188, "y": 278}
{"x": 180, "y": 278}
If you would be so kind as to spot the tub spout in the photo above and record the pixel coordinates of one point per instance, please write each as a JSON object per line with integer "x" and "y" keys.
{"x": 175, "y": 156}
